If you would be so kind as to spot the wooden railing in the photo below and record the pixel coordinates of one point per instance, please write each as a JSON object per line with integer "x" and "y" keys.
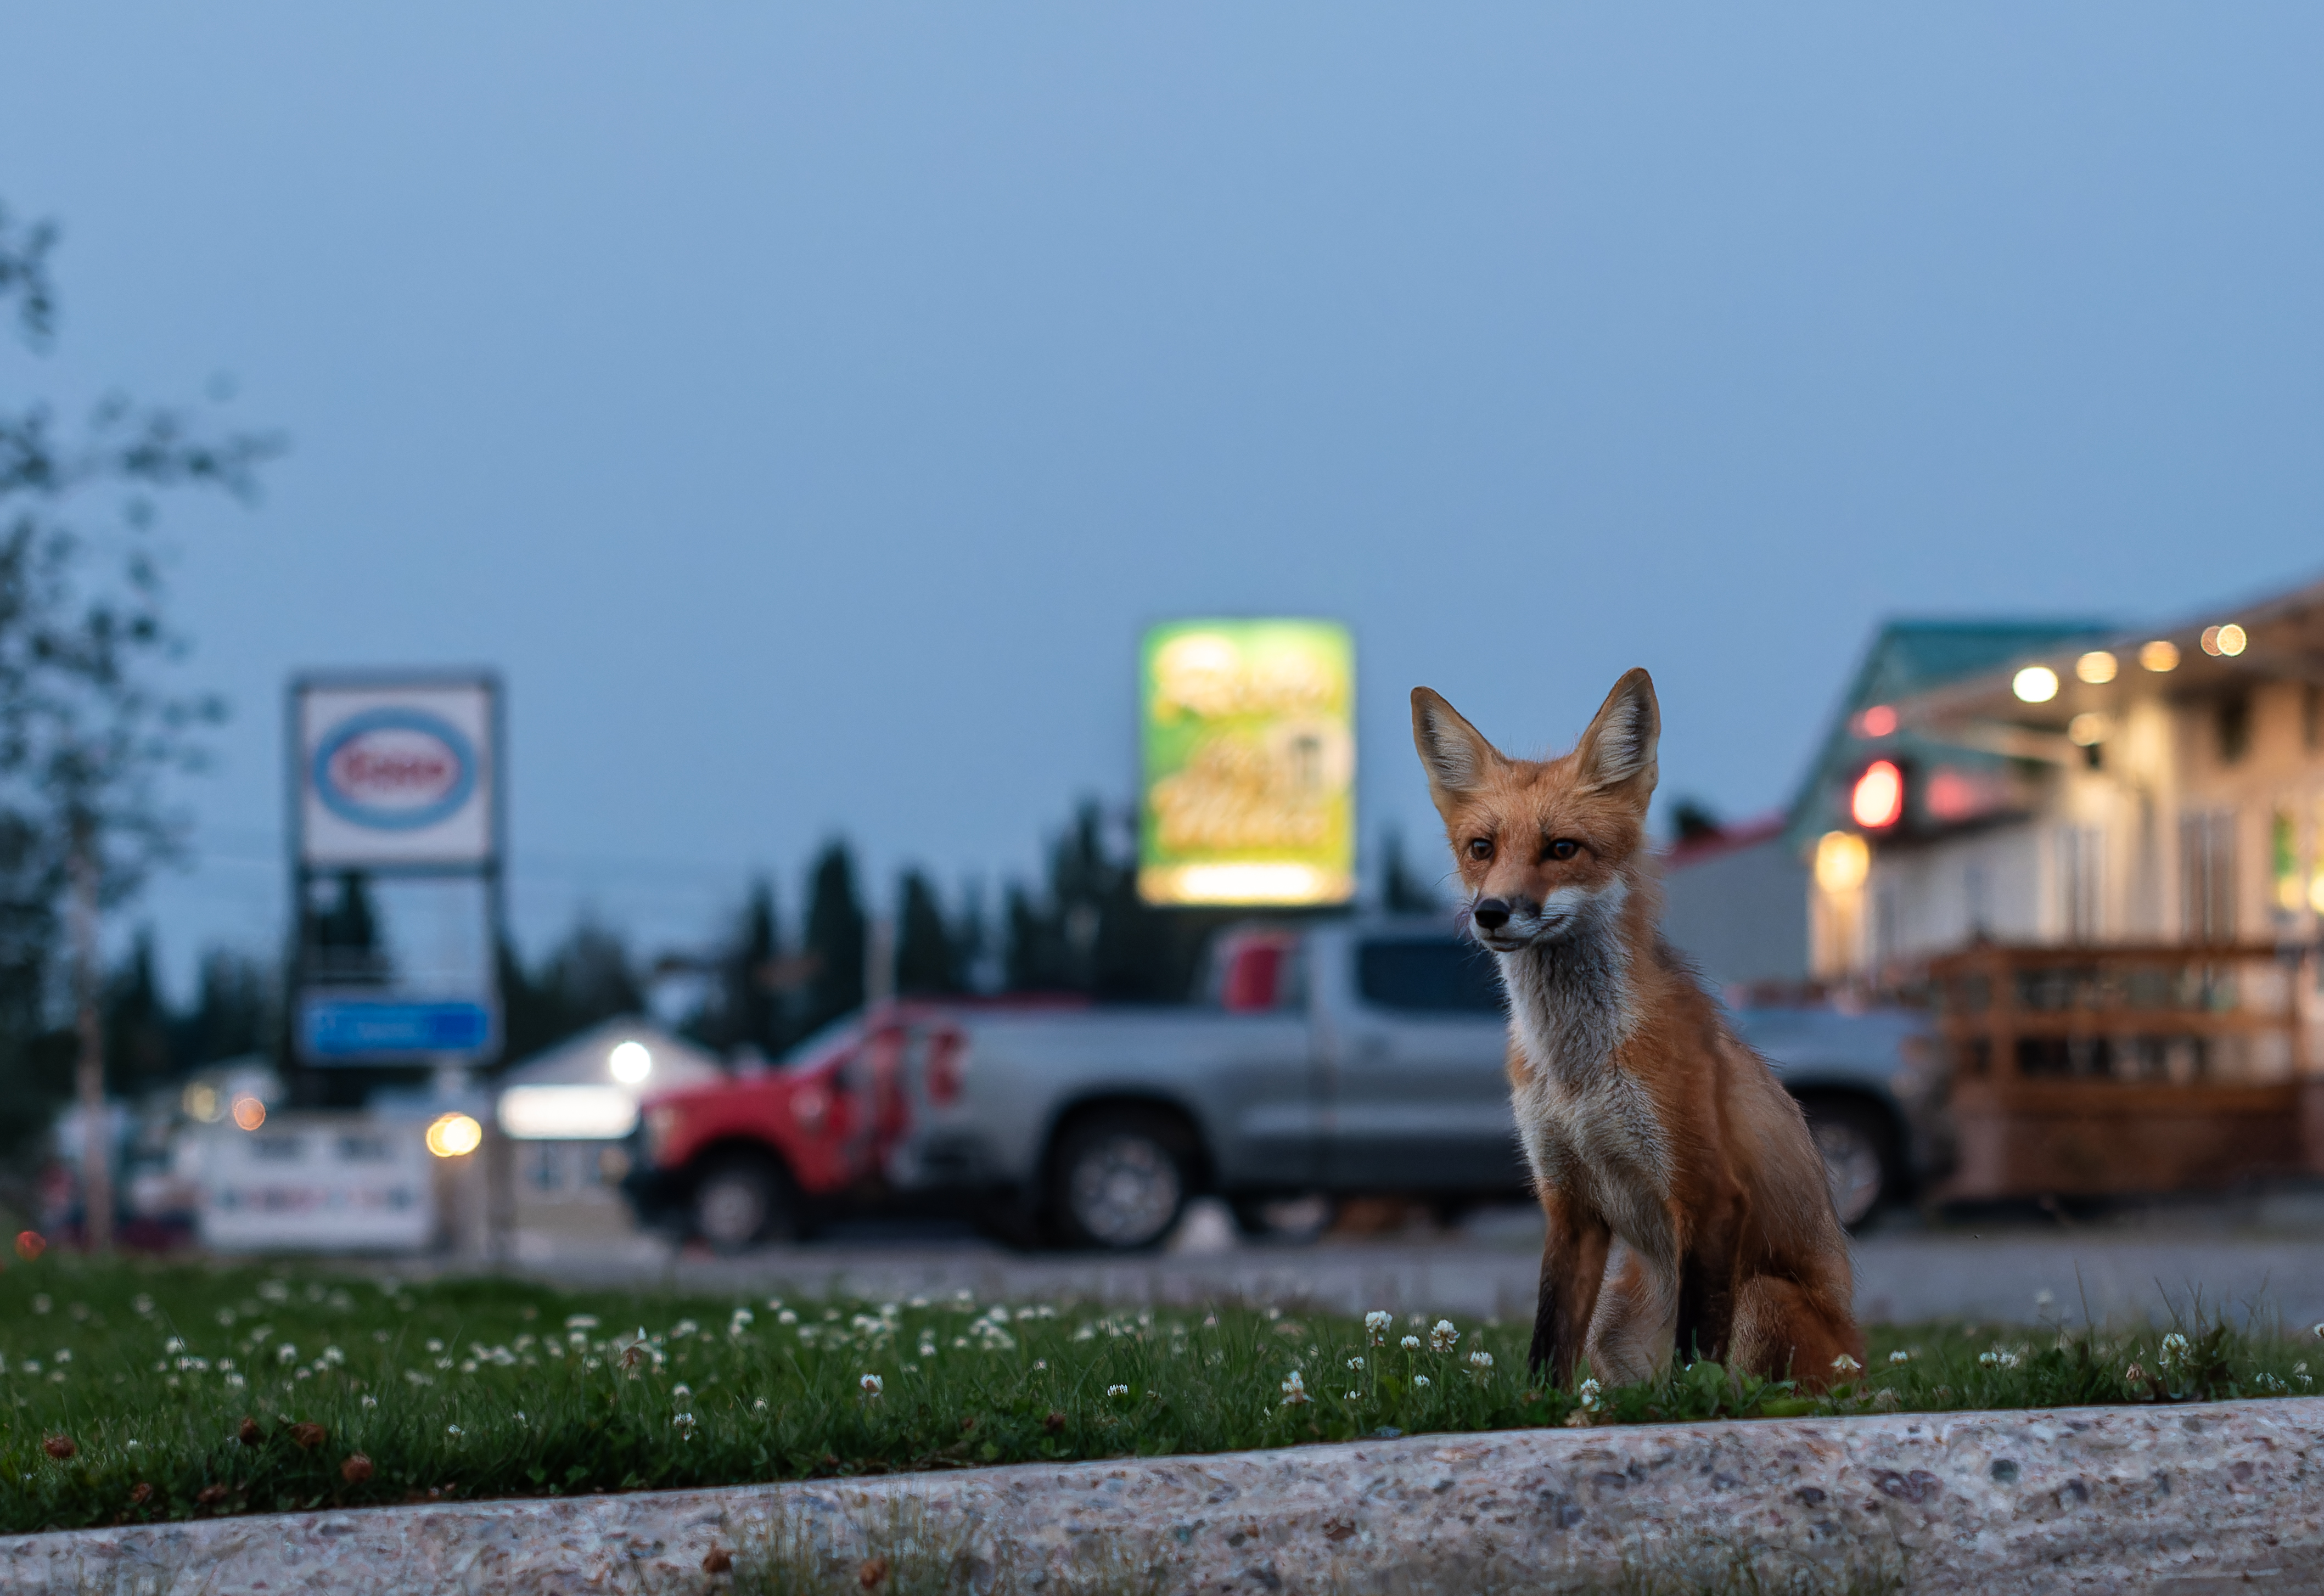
{"x": 2090, "y": 1070}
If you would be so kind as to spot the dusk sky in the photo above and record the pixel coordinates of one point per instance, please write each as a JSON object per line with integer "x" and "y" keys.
{"x": 805, "y": 407}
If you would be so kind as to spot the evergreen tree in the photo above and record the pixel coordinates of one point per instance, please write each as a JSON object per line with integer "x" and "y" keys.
{"x": 1094, "y": 934}
{"x": 743, "y": 1009}
{"x": 1402, "y": 889}
{"x": 232, "y": 1014}
{"x": 928, "y": 955}
{"x": 835, "y": 940}
{"x": 588, "y": 979}
{"x": 138, "y": 1055}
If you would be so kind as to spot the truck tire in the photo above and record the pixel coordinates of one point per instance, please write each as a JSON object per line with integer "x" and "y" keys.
{"x": 1120, "y": 1181}
{"x": 1858, "y": 1151}
{"x": 740, "y": 1202}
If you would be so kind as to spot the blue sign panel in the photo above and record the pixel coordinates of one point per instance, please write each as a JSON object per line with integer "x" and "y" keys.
{"x": 345, "y": 1030}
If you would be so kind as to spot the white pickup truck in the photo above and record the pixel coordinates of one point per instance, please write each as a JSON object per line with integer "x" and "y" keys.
{"x": 1335, "y": 1059}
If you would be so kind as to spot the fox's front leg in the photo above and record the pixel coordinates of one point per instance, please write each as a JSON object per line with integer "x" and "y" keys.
{"x": 1706, "y": 1280}
{"x": 1572, "y": 1268}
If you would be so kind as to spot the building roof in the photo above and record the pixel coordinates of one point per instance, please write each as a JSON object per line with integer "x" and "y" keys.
{"x": 1907, "y": 657}
{"x": 586, "y": 1060}
{"x": 2280, "y": 636}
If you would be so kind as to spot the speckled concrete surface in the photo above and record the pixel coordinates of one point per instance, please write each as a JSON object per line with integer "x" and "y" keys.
{"x": 2083, "y": 1499}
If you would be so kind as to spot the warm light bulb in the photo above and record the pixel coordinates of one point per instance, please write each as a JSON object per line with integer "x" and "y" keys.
{"x": 453, "y": 1136}
{"x": 1841, "y": 862}
{"x": 2036, "y": 684}
{"x": 2097, "y": 667}
{"x": 249, "y": 1112}
{"x": 2160, "y": 656}
{"x": 2085, "y": 730}
{"x": 630, "y": 1063}
{"x": 2231, "y": 640}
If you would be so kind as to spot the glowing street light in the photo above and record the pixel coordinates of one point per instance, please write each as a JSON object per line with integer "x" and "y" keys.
{"x": 2097, "y": 668}
{"x": 453, "y": 1136}
{"x": 630, "y": 1062}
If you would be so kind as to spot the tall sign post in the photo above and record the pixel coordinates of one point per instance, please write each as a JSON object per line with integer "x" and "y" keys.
{"x": 397, "y": 796}
{"x": 1247, "y": 732}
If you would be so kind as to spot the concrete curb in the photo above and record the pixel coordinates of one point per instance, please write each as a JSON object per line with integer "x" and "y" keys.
{"x": 2079, "y": 1500}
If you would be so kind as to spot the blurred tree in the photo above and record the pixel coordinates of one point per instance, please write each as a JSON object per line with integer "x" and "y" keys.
{"x": 342, "y": 939}
{"x": 138, "y": 1055}
{"x": 586, "y": 979}
{"x": 233, "y": 1015}
{"x": 86, "y": 727}
{"x": 1692, "y": 821}
{"x": 1403, "y": 890}
{"x": 928, "y": 956}
{"x": 1093, "y": 932}
{"x": 744, "y": 1006}
{"x": 835, "y": 940}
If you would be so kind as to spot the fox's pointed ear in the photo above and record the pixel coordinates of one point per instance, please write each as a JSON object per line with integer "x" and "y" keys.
{"x": 1618, "y": 748}
{"x": 1453, "y": 753}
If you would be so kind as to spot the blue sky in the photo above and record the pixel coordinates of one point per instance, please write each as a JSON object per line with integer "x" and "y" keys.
{"x": 805, "y": 407}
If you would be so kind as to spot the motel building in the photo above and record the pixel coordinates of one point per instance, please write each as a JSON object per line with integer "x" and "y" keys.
{"x": 2102, "y": 857}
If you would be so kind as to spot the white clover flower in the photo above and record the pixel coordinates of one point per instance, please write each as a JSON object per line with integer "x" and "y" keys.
{"x": 1376, "y": 1325}
{"x": 173, "y": 1345}
{"x": 742, "y": 1316}
{"x": 434, "y": 1346}
{"x": 1844, "y": 1364}
{"x": 1588, "y": 1392}
{"x": 681, "y": 1393}
{"x": 64, "y": 1355}
{"x": 1900, "y": 1357}
{"x": 1999, "y": 1358}
{"x": 1411, "y": 1344}
{"x": 1295, "y": 1389}
{"x": 452, "y": 1430}
{"x": 1442, "y": 1338}
{"x": 286, "y": 1353}
{"x": 1355, "y": 1362}
{"x": 370, "y": 1401}
{"x": 785, "y": 1317}
{"x": 1481, "y": 1358}
{"x": 760, "y": 1405}
{"x": 872, "y": 1386}
{"x": 1419, "y": 1383}
{"x": 1117, "y": 1390}
{"x": 235, "y": 1382}
{"x": 142, "y": 1303}
{"x": 683, "y": 1423}
{"x": 683, "y": 1327}
{"x": 581, "y": 1322}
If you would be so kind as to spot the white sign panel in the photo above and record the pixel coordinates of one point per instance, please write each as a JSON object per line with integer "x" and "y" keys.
{"x": 328, "y": 1183}
{"x": 391, "y": 774}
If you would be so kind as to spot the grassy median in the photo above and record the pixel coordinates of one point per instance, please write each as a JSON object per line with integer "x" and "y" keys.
{"x": 139, "y": 1391}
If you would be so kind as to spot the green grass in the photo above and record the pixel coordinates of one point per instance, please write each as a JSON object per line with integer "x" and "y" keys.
{"x": 145, "y": 1374}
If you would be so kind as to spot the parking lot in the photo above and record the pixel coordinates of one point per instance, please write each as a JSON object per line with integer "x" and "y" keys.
{"x": 2018, "y": 1268}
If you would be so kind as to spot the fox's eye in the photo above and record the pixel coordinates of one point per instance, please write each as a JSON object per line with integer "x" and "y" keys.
{"x": 1564, "y": 848}
{"x": 1481, "y": 848}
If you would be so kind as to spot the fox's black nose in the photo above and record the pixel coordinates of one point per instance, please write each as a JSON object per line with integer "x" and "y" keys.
{"x": 1490, "y": 913}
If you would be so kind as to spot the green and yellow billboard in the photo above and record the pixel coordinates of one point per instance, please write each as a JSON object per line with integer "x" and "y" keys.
{"x": 1249, "y": 742}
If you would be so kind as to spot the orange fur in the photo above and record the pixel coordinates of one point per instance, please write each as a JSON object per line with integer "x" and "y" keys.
{"x": 1686, "y": 1202}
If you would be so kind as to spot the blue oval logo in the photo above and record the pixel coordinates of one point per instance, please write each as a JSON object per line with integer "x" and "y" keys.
{"x": 394, "y": 770}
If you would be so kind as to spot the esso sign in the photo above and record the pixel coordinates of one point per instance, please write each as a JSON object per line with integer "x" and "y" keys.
{"x": 394, "y": 770}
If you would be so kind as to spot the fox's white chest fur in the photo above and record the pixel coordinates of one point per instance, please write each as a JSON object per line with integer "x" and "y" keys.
{"x": 1587, "y": 1125}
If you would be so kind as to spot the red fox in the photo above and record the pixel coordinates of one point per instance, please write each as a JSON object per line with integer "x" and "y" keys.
{"x": 1686, "y": 1202}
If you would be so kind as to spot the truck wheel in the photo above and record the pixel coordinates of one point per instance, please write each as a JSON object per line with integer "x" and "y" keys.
{"x": 743, "y": 1201}
{"x": 1859, "y": 1159}
{"x": 1119, "y": 1181}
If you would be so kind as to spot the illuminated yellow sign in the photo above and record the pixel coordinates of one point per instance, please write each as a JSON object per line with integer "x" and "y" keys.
{"x": 1249, "y": 731}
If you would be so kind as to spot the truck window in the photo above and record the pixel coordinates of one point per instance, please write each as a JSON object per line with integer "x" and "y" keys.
{"x": 1428, "y": 975}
